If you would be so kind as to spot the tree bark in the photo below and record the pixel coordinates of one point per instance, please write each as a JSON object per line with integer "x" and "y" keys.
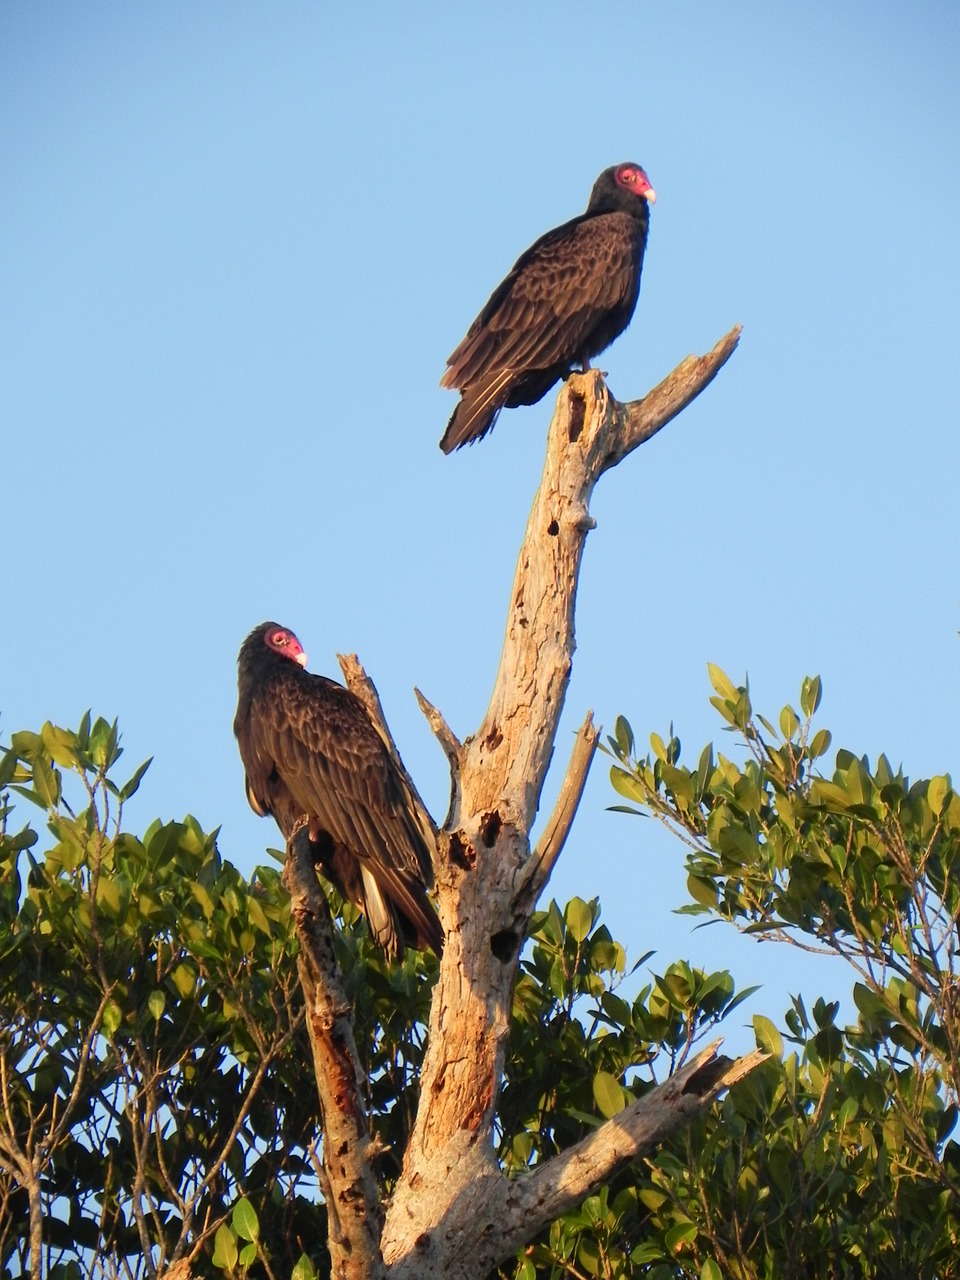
{"x": 354, "y": 1215}
{"x": 453, "y": 1212}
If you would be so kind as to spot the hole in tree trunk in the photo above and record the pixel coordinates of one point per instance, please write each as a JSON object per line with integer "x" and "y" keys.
{"x": 490, "y": 828}
{"x": 462, "y": 854}
{"x": 578, "y": 412}
{"x": 505, "y": 946}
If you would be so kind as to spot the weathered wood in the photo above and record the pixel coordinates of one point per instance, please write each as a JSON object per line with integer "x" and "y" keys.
{"x": 482, "y": 1223}
{"x": 453, "y": 1213}
{"x": 354, "y": 1213}
{"x": 485, "y": 870}
{"x": 536, "y": 873}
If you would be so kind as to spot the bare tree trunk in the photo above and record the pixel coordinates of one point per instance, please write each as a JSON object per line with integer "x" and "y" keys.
{"x": 453, "y": 1212}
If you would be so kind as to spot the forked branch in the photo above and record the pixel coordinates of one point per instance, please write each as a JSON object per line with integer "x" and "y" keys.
{"x": 496, "y": 1216}
{"x": 453, "y": 1212}
{"x": 639, "y": 420}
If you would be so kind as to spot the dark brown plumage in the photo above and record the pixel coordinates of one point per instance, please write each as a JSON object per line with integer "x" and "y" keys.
{"x": 564, "y": 301}
{"x": 313, "y": 755}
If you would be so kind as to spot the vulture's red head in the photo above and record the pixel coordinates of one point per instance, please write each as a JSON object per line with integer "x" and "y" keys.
{"x": 282, "y": 640}
{"x": 633, "y": 179}
{"x": 625, "y": 188}
{"x": 266, "y": 643}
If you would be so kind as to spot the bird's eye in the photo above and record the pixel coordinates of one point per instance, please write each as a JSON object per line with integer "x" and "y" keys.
{"x": 280, "y": 638}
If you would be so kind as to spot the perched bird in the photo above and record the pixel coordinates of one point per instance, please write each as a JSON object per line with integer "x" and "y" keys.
{"x": 312, "y": 755}
{"x": 564, "y": 301}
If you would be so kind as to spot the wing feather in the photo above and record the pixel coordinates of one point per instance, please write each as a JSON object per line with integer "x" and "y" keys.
{"x": 545, "y": 310}
{"x": 311, "y": 752}
{"x": 336, "y": 765}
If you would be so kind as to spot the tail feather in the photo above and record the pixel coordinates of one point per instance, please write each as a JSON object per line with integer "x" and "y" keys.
{"x": 399, "y": 912}
{"x": 477, "y": 411}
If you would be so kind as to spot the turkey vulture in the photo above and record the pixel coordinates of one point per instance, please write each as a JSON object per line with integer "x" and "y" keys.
{"x": 313, "y": 755}
{"x": 565, "y": 300}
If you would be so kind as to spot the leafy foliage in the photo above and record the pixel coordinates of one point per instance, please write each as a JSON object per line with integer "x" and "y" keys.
{"x": 579, "y": 1052}
{"x": 836, "y": 1160}
{"x": 156, "y": 1107}
{"x": 154, "y": 1101}
{"x": 152, "y": 1047}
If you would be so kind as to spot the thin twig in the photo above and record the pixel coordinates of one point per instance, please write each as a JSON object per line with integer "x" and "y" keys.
{"x": 639, "y": 420}
{"x": 360, "y": 684}
{"x": 536, "y": 873}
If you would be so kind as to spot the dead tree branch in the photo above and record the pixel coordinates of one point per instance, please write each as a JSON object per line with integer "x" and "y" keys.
{"x": 534, "y": 876}
{"x": 476, "y": 1232}
{"x": 638, "y": 420}
{"x": 565, "y": 1180}
{"x": 353, "y": 1205}
{"x": 453, "y": 1212}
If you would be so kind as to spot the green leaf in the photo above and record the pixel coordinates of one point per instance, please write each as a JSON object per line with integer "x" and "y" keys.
{"x": 616, "y": 1009}
{"x": 60, "y": 744}
{"x": 104, "y": 739}
{"x": 184, "y": 978}
{"x": 156, "y": 1003}
{"x": 810, "y": 692}
{"x": 867, "y": 1000}
{"x": 248, "y": 1255}
{"x": 24, "y": 743}
{"x": 722, "y": 682}
{"x": 257, "y": 917}
{"x": 682, "y": 1234}
{"x": 129, "y": 788}
{"x": 710, "y": 1270}
{"x": 847, "y": 1112}
{"x": 608, "y": 1094}
{"x": 579, "y": 918}
{"x": 738, "y": 845}
{"x": 244, "y": 1220}
{"x": 702, "y": 890}
{"x": 112, "y": 1018}
{"x": 225, "y": 1249}
{"x": 46, "y": 783}
{"x": 789, "y": 724}
{"x": 624, "y": 736}
{"x": 630, "y": 787}
{"x": 739, "y": 998}
{"x": 203, "y": 897}
{"x": 768, "y": 1037}
{"x": 588, "y": 1256}
{"x": 648, "y": 1252}
{"x": 704, "y": 768}
{"x": 946, "y": 1123}
{"x": 8, "y": 768}
{"x": 303, "y": 1270}
{"x": 936, "y": 794}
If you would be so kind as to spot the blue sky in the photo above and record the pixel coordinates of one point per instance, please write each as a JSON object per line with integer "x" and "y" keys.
{"x": 237, "y": 243}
